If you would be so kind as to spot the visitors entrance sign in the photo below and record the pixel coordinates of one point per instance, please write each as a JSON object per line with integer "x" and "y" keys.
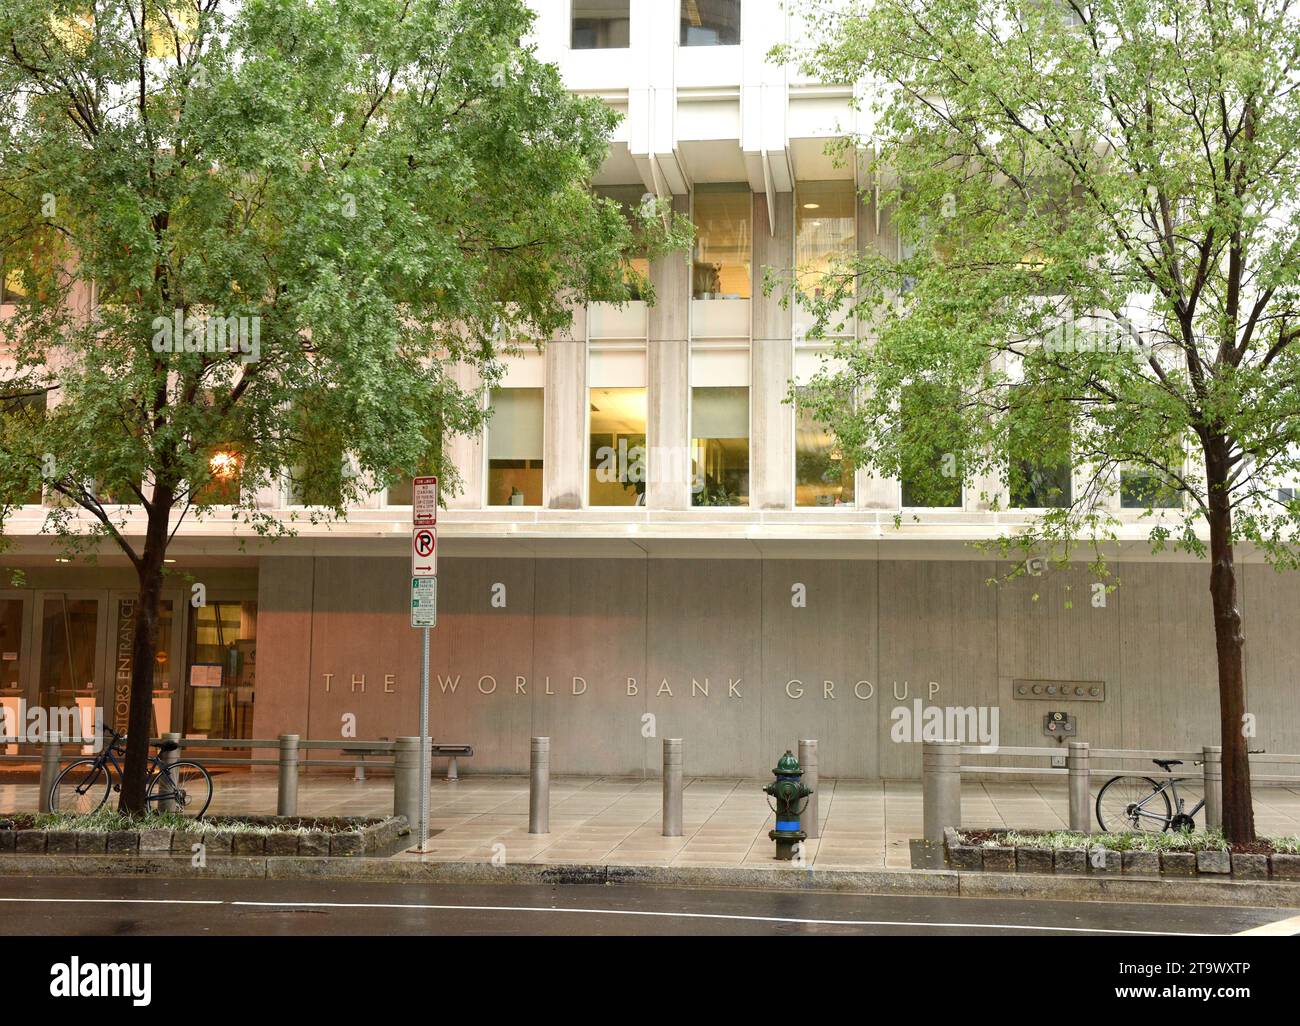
{"x": 424, "y": 501}
{"x": 424, "y": 552}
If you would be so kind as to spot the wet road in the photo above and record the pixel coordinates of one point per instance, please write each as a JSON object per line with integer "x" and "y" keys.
{"x": 95, "y": 907}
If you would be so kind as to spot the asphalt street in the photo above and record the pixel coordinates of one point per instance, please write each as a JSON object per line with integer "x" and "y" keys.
{"x": 145, "y": 907}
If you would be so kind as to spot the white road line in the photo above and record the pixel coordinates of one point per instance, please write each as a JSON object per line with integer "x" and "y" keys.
{"x": 708, "y": 915}
{"x": 115, "y": 901}
{"x": 1282, "y": 928}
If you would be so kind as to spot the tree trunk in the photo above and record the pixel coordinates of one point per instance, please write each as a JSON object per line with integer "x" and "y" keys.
{"x": 1238, "y": 810}
{"x": 144, "y": 651}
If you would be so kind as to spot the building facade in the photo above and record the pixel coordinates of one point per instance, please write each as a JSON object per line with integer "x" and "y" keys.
{"x": 652, "y": 541}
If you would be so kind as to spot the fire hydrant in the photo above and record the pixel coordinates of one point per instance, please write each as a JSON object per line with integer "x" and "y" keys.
{"x": 791, "y": 798}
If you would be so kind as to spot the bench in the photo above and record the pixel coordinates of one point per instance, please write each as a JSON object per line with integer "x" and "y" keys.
{"x": 452, "y": 753}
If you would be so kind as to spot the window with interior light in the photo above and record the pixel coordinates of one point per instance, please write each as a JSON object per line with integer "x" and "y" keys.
{"x": 710, "y": 22}
{"x": 724, "y": 242}
{"x": 601, "y": 24}
{"x": 825, "y": 231}
{"x": 720, "y": 427}
{"x": 617, "y": 413}
{"x": 823, "y": 478}
{"x": 515, "y": 443}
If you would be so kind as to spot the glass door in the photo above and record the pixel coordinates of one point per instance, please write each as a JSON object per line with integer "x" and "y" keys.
{"x": 169, "y": 657}
{"x": 222, "y": 670}
{"x": 70, "y": 633}
{"x": 15, "y": 654}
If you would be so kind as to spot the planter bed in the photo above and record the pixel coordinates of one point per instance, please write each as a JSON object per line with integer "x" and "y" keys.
{"x": 114, "y": 834}
{"x": 1203, "y": 855}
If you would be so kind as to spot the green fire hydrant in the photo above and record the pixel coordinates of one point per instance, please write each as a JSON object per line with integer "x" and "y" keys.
{"x": 788, "y": 797}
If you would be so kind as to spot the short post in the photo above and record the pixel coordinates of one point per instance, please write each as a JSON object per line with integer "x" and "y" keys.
{"x": 287, "y": 802}
{"x": 170, "y": 759}
{"x": 406, "y": 781}
{"x": 51, "y": 753}
{"x": 1213, "y": 766}
{"x": 941, "y": 787}
{"x": 672, "y": 825}
{"x": 453, "y": 768}
{"x": 539, "y": 786}
{"x": 808, "y": 760}
{"x": 1077, "y": 762}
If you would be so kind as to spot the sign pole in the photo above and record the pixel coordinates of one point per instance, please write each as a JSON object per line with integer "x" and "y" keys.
{"x": 424, "y": 616}
{"x": 422, "y": 829}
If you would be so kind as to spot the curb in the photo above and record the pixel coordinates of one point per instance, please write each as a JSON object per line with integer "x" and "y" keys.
{"x": 922, "y": 882}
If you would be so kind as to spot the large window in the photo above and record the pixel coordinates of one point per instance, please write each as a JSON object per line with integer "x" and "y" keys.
{"x": 223, "y": 670}
{"x": 723, "y": 242}
{"x": 1142, "y": 488}
{"x": 1045, "y": 479}
{"x": 929, "y": 442}
{"x": 617, "y": 468}
{"x": 710, "y": 22}
{"x": 630, "y": 198}
{"x": 825, "y": 230}
{"x": 18, "y": 417}
{"x": 11, "y": 285}
{"x": 515, "y": 446}
{"x": 600, "y": 24}
{"x": 823, "y": 477}
{"x": 720, "y": 427}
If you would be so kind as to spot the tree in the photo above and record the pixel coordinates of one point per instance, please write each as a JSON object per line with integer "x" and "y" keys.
{"x": 1097, "y": 204}
{"x": 251, "y": 240}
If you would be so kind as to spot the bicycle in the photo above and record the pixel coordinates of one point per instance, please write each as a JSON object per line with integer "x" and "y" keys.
{"x": 1135, "y": 803}
{"x": 84, "y": 786}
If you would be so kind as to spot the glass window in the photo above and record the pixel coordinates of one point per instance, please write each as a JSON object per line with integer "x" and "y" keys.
{"x": 720, "y": 445}
{"x": 17, "y": 418}
{"x": 11, "y": 641}
{"x": 222, "y": 486}
{"x": 223, "y": 670}
{"x": 515, "y": 441}
{"x": 1141, "y": 488}
{"x": 723, "y": 242}
{"x": 617, "y": 404}
{"x": 318, "y": 479}
{"x": 931, "y": 474}
{"x": 1046, "y": 480}
{"x": 69, "y": 641}
{"x": 823, "y": 477}
{"x": 11, "y": 284}
{"x": 710, "y": 22}
{"x": 601, "y": 24}
{"x": 630, "y": 198}
{"x": 825, "y": 227}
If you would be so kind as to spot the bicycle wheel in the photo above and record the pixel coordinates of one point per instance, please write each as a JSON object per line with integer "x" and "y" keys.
{"x": 1133, "y": 804}
{"x": 82, "y": 788}
{"x": 185, "y": 788}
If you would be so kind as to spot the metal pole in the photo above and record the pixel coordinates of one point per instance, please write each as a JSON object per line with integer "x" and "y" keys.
{"x": 422, "y": 826}
{"x": 941, "y": 787}
{"x": 539, "y": 786}
{"x": 1213, "y": 766}
{"x": 672, "y": 826}
{"x": 51, "y": 752}
{"x": 406, "y": 779}
{"x": 808, "y": 763}
{"x": 1078, "y": 761}
{"x": 287, "y": 802}
{"x": 170, "y": 759}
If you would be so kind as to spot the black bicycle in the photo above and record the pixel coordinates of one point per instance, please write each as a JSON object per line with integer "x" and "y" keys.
{"x": 1140, "y": 803}
{"x": 84, "y": 786}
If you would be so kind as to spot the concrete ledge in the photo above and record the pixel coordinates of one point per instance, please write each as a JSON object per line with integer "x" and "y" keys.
{"x": 921, "y": 882}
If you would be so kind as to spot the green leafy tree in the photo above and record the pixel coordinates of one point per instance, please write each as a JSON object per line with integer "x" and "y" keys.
{"x": 251, "y": 240}
{"x": 1097, "y": 207}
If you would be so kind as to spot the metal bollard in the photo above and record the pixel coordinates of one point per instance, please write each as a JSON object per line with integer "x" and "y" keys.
{"x": 51, "y": 753}
{"x": 1213, "y": 766}
{"x": 539, "y": 786}
{"x": 672, "y": 824}
{"x": 287, "y": 800}
{"x": 453, "y": 768}
{"x": 808, "y": 760}
{"x": 1080, "y": 774}
{"x": 941, "y": 787}
{"x": 406, "y": 783}
{"x": 169, "y": 759}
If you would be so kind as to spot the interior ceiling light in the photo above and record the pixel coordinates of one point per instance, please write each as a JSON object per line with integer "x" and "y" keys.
{"x": 812, "y": 206}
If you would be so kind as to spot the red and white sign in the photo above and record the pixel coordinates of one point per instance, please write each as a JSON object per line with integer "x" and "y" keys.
{"x": 424, "y": 552}
{"x": 424, "y": 502}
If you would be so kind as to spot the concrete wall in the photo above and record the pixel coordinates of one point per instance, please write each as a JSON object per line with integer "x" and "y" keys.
{"x": 712, "y": 646}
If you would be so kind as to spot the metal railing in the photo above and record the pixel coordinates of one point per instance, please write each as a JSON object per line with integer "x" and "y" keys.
{"x": 942, "y": 766}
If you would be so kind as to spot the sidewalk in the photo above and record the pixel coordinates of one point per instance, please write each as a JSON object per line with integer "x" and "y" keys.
{"x": 615, "y": 821}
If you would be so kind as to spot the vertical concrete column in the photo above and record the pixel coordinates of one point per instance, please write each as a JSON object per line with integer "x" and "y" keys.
{"x": 406, "y": 781}
{"x": 287, "y": 798}
{"x": 465, "y": 452}
{"x": 808, "y": 762}
{"x": 668, "y": 366}
{"x": 771, "y": 363}
{"x": 672, "y": 787}
{"x": 941, "y": 787}
{"x": 565, "y": 449}
{"x": 1077, "y": 762}
{"x": 539, "y": 786}
{"x": 51, "y": 753}
{"x": 170, "y": 759}
{"x": 1213, "y": 766}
